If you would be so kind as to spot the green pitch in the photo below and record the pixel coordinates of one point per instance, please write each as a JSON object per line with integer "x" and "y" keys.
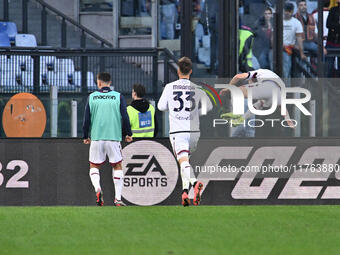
{"x": 170, "y": 230}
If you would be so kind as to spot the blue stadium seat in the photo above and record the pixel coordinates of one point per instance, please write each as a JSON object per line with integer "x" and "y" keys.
{"x": 27, "y": 79}
{"x": 46, "y": 80}
{"x": 25, "y": 40}
{"x": 77, "y": 79}
{"x": 24, "y": 63}
{"x": 10, "y": 28}
{"x": 65, "y": 65}
{"x": 4, "y": 40}
{"x": 91, "y": 85}
{"x": 47, "y": 63}
{"x": 8, "y": 79}
{"x": 10, "y": 65}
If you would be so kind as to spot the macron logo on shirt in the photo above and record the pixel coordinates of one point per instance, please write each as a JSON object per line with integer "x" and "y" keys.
{"x": 104, "y": 97}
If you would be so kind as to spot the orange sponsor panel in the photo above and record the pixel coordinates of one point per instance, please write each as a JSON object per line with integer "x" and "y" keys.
{"x": 24, "y": 116}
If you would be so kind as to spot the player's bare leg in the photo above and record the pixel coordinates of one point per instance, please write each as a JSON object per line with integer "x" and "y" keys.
{"x": 95, "y": 179}
{"x": 118, "y": 178}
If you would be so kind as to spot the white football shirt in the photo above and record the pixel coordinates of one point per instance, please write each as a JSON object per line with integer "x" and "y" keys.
{"x": 267, "y": 81}
{"x": 185, "y": 101}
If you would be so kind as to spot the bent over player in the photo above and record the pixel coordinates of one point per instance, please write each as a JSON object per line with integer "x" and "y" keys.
{"x": 262, "y": 83}
{"x": 107, "y": 120}
{"x": 183, "y": 100}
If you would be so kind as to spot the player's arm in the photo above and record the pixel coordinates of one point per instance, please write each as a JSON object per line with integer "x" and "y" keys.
{"x": 299, "y": 38}
{"x": 163, "y": 101}
{"x": 235, "y": 80}
{"x": 239, "y": 77}
{"x": 300, "y": 45}
{"x": 86, "y": 123}
{"x": 125, "y": 120}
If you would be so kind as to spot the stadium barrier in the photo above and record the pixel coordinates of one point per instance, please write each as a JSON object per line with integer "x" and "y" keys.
{"x": 74, "y": 71}
{"x": 56, "y": 172}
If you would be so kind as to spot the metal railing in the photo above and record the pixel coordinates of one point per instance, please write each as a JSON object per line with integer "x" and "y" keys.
{"x": 325, "y": 93}
{"x": 45, "y": 8}
{"x": 74, "y": 70}
{"x": 170, "y": 72}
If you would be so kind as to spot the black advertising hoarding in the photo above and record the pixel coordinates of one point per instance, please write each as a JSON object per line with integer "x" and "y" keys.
{"x": 234, "y": 171}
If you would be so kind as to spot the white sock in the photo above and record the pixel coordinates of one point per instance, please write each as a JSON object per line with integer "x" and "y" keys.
{"x": 118, "y": 181}
{"x": 187, "y": 174}
{"x": 95, "y": 179}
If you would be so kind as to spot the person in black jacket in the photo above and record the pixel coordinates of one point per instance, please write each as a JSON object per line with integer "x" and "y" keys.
{"x": 333, "y": 38}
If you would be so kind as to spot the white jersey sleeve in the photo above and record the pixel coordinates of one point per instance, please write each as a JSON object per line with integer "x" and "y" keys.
{"x": 163, "y": 101}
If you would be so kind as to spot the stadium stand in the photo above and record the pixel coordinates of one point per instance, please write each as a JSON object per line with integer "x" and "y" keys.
{"x": 61, "y": 70}
{"x": 73, "y": 34}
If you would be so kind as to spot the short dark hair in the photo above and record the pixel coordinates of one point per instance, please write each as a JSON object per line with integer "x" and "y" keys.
{"x": 289, "y": 7}
{"x": 268, "y": 9}
{"x": 104, "y": 77}
{"x": 299, "y": 1}
{"x": 139, "y": 89}
{"x": 185, "y": 65}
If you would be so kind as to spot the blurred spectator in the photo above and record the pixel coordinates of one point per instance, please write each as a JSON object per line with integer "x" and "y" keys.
{"x": 246, "y": 39}
{"x": 309, "y": 28}
{"x": 325, "y": 17}
{"x": 333, "y": 38}
{"x": 241, "y": 12}
{"x": 263, "y": 39}
{"x": 293, "y": 2}
{"x": 292, "y": 33}
{"x": 169, "y": 17}
{"x": 209, "y": 19}
{"x": 135, "y": 8}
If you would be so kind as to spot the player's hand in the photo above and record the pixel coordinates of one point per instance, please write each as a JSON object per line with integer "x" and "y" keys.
{"x": 128, "y": 139}
{"x": 224, "y": 92}
{"x": 290, "y": 123}
{"x": 87, "y": 141}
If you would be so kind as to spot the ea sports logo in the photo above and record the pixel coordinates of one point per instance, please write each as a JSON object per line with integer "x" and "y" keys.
{"x": 150, "y": 171}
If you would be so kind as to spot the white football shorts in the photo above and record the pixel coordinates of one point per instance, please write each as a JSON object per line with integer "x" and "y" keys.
{"x": 183, "y": 144}
{"x": 99, "y": 150}
{"x": 264, "y": 91}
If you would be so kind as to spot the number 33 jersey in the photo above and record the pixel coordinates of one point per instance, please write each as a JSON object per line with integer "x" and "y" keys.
{"x": 185, "y": 102}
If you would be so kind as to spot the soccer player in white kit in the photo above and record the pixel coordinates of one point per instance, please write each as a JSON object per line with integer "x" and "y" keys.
{"x": 184, "y": 100}
{"x": 262, "y": 83}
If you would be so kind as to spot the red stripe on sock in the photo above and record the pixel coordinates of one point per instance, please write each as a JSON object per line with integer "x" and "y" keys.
{"x": 183, "y": 151}
{"x": 94, "y": 173}
{"x": 117, "y": 178}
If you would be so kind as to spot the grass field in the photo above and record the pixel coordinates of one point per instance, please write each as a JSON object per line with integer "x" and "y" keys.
{"x": 170, "y": 230}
